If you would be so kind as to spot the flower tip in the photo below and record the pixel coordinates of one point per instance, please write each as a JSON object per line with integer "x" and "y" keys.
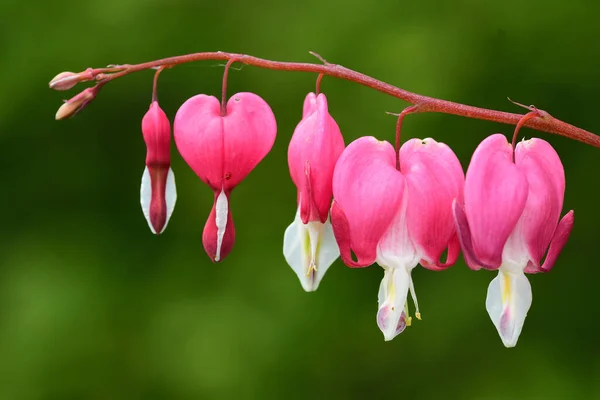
{"x": 158, "y": 196}
{"x": 66, "y": 80}
{"x": 219, "y": 232}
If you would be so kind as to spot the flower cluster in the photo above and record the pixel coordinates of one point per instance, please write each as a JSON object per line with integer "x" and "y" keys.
{"x": 369, "y": 202}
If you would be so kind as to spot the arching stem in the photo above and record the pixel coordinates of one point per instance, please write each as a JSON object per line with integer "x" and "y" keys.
{"x": 426, "y": 104}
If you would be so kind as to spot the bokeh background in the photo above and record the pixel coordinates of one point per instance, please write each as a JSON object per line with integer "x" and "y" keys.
{"x": 93, "y": 306}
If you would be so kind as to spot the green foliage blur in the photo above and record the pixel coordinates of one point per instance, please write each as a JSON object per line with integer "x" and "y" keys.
{"x": 93, "y": 306}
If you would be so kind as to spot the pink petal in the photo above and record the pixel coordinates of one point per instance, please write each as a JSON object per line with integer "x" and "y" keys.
{"x": 464, "y": 235}
{"x": 367, "y": 190}
{"x": 545, "y": 174}
{"x": 313, "y": 151}
{"x": 223, "y": 150}
{"x": 434, "y": 178}
{"x": 495, "y": 195}
{"x": 453, "y": 252}
{"x": 156, "y": 129}
{"x": 559, "y": 239}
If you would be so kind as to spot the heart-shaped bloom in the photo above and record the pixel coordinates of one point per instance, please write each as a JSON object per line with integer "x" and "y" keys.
{"x": 397, "y": 218}
{"x": 157, "y": 194}
{"x": 309, "y": 246}
{"x": 509, "y": 220}
{"x": 222, "y": 150}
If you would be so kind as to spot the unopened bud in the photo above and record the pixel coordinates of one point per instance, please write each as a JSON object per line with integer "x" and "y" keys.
{"x": 77, "y": 103}
{"x": 158, "y": 193}
{"x": 66, "y": 80}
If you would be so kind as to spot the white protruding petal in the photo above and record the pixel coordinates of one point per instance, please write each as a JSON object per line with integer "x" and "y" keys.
{"x": 170, "y": 196}
{"x": 391, "y": 316}
{"x": 310, "y": 249}
{"x": 146, "y": 197}
{"x": 222, "y": 209}
{"x": 507, "y": 303}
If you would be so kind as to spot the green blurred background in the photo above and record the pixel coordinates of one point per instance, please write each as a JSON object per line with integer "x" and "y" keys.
{"x": 93, "y": 306}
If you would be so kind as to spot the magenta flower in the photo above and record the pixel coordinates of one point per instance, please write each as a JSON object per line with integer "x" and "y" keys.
{"x": 397, "y": 218}
{"x": 510, "y": 220}
{"x": 309, "y": 245}
{"x": 222, "y": 149}
{"x": 157, "y": 194}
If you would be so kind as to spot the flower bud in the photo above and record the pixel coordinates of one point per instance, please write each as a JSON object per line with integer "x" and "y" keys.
{"x": 158, "y": 193}
{"x": 66, "y": 80}
{"x": 77, "y": 103}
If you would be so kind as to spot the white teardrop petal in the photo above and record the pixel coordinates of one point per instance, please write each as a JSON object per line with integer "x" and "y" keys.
{"x": 146, "y": 197}
{"x": 391, "y": 316}
{"x": 327, "y": 250}
{"x": 309, "y": 249}
{"x": 170, "y": 196}
{"x": 222, "y": 209}
{"x": 508, "y": 301}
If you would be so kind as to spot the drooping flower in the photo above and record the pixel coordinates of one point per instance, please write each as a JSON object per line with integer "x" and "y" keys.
{"x": 397, "y": 218}
{"x": 510, "y": 220}
{"x": 157, "y": 194}
{"x": 222, "y": 150}
{"x": 309, "y": 246}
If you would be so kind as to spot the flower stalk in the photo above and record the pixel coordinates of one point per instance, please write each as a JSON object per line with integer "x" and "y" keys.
{"x": 426, "y": 104}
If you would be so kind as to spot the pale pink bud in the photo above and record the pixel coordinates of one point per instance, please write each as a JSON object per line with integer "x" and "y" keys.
{"x": 66, "y": 80}
{"x": 77, "y": 103}
{"x": 222, "y": 151}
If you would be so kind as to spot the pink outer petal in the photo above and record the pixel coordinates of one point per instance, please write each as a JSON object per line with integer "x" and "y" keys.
{"x": 367, "y": 190}
{"x": 156, "y": 129}
{"x": 453, "y": 252}
{"x": 464, "y": 235}
{"x": 209, "y": 235}
{"x": 559, "y": 239}
{"x": 223, "y": 150}
{"x": 434, "y": 178}
{"x": 545, "y": 174}
{"x": 495, "y": 195}
{"x": 312, "y": 154}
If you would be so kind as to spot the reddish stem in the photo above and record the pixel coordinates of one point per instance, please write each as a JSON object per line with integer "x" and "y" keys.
{"x": 318, "y": 85}
{"x": 155, "y": 84}
{"x": 425, "y": 103}
{"x": 404, "y": 113}
{"x": 522, "y": 121}
{"x": 224, "y": 89}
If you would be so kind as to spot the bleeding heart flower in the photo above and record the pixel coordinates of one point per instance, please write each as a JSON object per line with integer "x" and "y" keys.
{"x": 309, "y": 246}
{"x": 157, "y": 194}
{"x": 397, "y": 218}
{"x": 222, "y": 150}
{"x": 509, "y": 220}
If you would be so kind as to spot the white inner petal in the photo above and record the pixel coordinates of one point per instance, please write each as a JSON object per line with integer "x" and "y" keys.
{"x": 309, "y": 249}
{"x": 222, "y": 209}
{"x": 170, "y": 196}
{"x": 146, "y": 197}
{"x": 396, "y": 249}
{"x": 393, "y": 290}
{"x": 515, "y": 253}
{"x": 508, "y": 301}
